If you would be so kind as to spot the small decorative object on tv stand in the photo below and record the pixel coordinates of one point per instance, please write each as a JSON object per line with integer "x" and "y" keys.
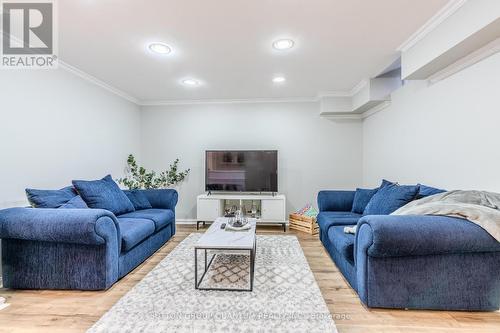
{"x": 266, "y": 208}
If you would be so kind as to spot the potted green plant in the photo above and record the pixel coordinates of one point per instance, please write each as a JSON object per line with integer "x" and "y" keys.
{"x": 137, "y": 177}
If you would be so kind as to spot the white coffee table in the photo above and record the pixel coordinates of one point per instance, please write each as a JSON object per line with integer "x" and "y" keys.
{"x": 219, "y": 241}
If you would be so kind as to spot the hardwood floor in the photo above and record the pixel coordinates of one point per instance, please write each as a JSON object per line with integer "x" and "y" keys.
{"x": 76, "y": 311}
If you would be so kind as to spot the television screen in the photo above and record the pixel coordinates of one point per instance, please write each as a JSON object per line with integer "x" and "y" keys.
{"x": 241, "y": 170}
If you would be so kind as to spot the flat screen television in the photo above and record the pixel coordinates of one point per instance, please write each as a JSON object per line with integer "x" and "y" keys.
{"x": 241, "y": 170}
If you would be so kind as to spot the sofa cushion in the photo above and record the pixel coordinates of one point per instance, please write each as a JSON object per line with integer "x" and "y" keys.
{"x": 138, "y": 199}
{"x": 75, "y": 202}
{"x": 50, "y": 198}
{"x": 425, "y": 191}
{"x": 342, "y": 242}
{"x": 361, "y": 199}
{"x": 389, "y": 198}
{"x": 160, "y": 217}
{"x": 327, "y": 219}
{"x": 104, "y": 194}
{"x": 134, "y": 231}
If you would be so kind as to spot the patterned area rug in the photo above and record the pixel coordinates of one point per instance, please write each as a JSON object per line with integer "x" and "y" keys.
{"x": 230, "y": 271}
{"x": 285, "y": 297}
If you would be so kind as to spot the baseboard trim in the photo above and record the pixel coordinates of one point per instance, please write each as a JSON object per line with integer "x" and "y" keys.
{"x": 185, "y": 221}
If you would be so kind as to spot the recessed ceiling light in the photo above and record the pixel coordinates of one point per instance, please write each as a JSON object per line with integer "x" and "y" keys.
{"x": 279, "y": 79}
{"x": 190, "y": 82}
{"x": 283, "y": 44}
{"x": 160, "y": 48}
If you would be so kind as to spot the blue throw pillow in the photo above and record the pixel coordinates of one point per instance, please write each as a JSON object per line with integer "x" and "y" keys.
{"x": 50, "y": 198}
{"x": 389, "y": 198}
{"x": 138, "y": 199}
{"x": 426, "y": 191}
{"x": 104, "y": 194}
{"x": 76, "y": 202}
{"x": 386, "y": 182}
{"x": 361, "y": 199}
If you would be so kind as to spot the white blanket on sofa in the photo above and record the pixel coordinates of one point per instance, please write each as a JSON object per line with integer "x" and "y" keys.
{"x": 479, "y": 207}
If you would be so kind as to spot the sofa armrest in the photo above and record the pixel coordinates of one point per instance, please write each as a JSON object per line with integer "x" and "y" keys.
{"x": 408, "y": 262}
{"x": 163, "y": 198}
{"x": 419, "y": 235}
{"x": 340, "y": 201}
{"x": 77, "y": 226}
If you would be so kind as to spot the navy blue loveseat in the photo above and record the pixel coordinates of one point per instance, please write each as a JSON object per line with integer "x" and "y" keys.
{"x": 87, "y": 249}
{"x": 415, "y": 262}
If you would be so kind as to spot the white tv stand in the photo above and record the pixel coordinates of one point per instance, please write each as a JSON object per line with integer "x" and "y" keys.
{"x": 270, "y": 208}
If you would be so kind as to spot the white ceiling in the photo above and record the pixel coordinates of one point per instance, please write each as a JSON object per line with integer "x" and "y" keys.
{"x": 227, "y": 44}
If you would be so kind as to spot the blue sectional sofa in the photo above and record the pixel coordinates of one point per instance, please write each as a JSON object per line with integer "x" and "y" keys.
{"x": 413, "y": 262}
{"x": 82, "y": 248}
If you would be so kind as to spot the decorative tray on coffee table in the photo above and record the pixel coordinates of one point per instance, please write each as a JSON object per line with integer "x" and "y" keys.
{"x": 235, "y": 224}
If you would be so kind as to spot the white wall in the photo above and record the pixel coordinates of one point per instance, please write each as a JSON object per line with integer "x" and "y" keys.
{"x": 446, "y": 134}
{"x": 314, "y": 153}
{"x": 56, "y": 127}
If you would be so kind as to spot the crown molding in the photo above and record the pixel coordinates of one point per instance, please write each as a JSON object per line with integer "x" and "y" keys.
{"x": 342, "y": 116}
{"x": 449, "y": 9}
{"x": 355, "y": 116}
{"x": 317, "y": 98}
{"x": 324, "y": 94}
{"x": 350, "y": 93}
{"x": 228, "y": 101}
{"x": 339, "y": 93}
{"x": 92, "y": 79}
{"x": 357, "y": 88}
{"x": 136, "y": 101}
{"x": 375, "y": 109}
{"x": 469, "y": 60}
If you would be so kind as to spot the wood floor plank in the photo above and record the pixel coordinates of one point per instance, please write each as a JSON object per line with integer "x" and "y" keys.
{"x": 75, "y": 311}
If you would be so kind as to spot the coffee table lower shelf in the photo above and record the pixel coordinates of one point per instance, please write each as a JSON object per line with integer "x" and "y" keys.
{"x": 208, "y": 263}
{"x": 283, "y": 224}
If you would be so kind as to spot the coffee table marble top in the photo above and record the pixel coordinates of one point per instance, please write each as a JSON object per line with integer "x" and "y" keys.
{"x": 217, "y": 238}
